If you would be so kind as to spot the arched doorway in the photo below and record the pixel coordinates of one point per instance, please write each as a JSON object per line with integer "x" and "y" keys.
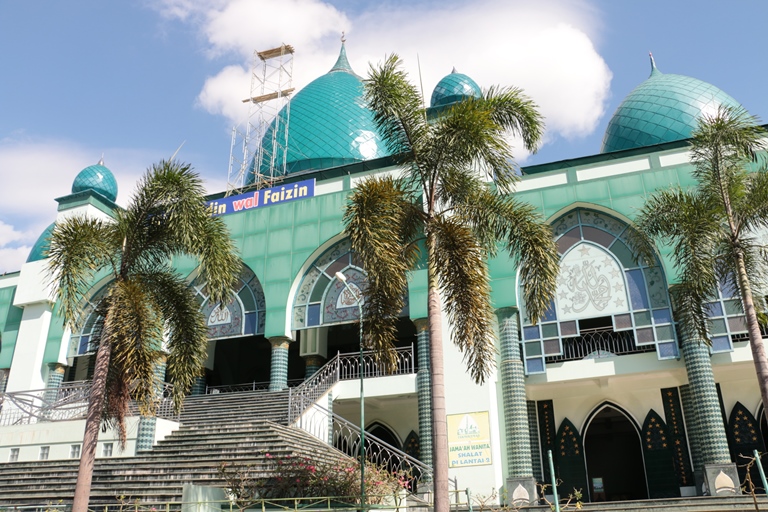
{"x": 614, "y": 457}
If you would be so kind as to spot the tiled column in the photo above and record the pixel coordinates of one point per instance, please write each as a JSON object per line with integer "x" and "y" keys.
{"x": 692, "y": 428}
{"x": 713, "y": 443}
{"x": 278, "y": 372}
{"x": 312, "y": 364}
{"x": 52, "y": 385}
{"x": 198, "y": 386}
{"x": 55, "y": 375}
{"x": 148, "y": 424}
{"x": 424, "y": 390}
{"x": 520, "y": 481}
{"x": 3, "y": 379}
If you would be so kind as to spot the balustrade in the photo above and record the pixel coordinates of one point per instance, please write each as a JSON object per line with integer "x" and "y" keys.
{"x": 599, "y": 344}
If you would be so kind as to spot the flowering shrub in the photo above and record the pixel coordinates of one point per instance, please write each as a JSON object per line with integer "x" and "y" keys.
{"x": 310, "y": 477}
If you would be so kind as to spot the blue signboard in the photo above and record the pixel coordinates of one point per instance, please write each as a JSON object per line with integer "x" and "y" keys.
{"x": 261, "y": 198}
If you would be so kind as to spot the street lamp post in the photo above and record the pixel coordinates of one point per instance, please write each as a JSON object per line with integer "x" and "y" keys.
{"x": 359, "y": 299}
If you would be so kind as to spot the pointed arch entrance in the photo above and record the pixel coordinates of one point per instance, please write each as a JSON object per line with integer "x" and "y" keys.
{"x": 614, "y": 454}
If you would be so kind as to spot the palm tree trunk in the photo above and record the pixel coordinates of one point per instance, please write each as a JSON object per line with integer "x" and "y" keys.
{"x": 755, "y": 336}
{"x": 439, "y": 422}
{"x": 92, "y": 424}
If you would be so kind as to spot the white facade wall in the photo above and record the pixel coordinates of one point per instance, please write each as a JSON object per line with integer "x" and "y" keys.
{"x": 59, "y": 436}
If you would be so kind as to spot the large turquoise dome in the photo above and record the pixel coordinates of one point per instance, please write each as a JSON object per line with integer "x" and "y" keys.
{"x": 664, "y": 108}
{"x": 40, "y": 249}
{"x": 97, "y": 178}
{"x": 329, "y": 125}
{"x": 454, "y": 87}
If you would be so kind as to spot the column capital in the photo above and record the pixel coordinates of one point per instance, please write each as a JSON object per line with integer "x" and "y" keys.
{"x": 422, "y": 324}
{"x": 280, "y": 341}
{"x": 313, "y": 359}
{"x": 57, "y": 368}
{"x": 505, "y": 313}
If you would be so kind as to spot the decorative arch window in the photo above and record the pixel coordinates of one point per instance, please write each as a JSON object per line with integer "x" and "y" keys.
{"x": 322, "y": 299}
{"x": 243, "y": 315}
{"x": 81, "y": 343}
{"x": 601, "y": 288}
{"x": 726, "y": 321}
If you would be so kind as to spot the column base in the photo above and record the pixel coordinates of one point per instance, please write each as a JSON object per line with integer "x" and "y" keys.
{"x": 521, "y": 491}
{"x": 699, "y": 483}
{"x": 722, "y": 479}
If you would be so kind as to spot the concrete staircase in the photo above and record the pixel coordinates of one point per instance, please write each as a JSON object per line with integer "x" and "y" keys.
{"x": 234, "y": 427}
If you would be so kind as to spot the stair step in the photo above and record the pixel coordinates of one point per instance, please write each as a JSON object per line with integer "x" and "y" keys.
{"x": 234, "y": 427}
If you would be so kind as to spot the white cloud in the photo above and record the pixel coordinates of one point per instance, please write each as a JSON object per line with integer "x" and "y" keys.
{"x": 12, "y": 258}
{"x": 37, "y": 171}
{"x": 244, "y": 25}
{"x": 546, "y": 48}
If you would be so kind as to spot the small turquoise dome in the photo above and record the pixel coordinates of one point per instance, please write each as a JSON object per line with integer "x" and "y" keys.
{"x": 97, "y": 178}
{"x": 454, "y": 87}
{"x": 329, "y": 125}
{"x": 664, "y": 108}
{"x": 40, "y": 249}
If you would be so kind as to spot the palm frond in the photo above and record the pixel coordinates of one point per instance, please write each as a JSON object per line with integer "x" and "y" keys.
{"x": 722, "y": 144}
{"x": 691, "y": 224}
{"x": 753, "y": 210}
{"x": 79, "y": 248}
{"x": 464, "y": 283}
{"x": 135, "y": 335}
{"x": 398, "y": 111}
{"x": 467, "y": 139}
{"x": 381, "y": 221}
{"x": 185, "y": 328}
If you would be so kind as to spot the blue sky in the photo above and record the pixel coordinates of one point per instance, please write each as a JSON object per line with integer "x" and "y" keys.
{"x": 134, "y": 79}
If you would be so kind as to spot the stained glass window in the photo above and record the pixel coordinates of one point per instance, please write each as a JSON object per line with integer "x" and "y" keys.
{"x": 603, "y": 288}
{"x": 243, "y": 315}
{"x": 322, "y": 299}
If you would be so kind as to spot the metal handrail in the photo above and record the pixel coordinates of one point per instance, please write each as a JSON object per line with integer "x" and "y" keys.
{"x": 598, "y": 345}
{"x": 246, "y": 386}
{"x": 345, "y": 436}
{"x": 66, "y": 402}
{"x": 349, "y": 364}
{"x": 344, "y": 367}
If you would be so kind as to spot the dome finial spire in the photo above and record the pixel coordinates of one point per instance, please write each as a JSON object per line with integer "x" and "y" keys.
{"x": 101, "y": 160}
{"x": 654, "y": 69}
{"x": 342, "y": 64}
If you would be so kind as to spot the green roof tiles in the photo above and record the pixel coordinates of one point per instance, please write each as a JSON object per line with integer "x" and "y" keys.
{"x": 664, "y": 108}
{"x": 329, "y": 124}
{"x": 40, "y": 249}
{"x": 98, "y": 178}
{"x": 454, "y": 87}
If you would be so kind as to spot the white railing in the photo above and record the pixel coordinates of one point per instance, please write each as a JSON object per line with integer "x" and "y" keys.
{"x": 344, "y": 367}
{"x": 67, "y": 402}
{"x": 246, "y": 386}
{"x": 349, "y": 364}
{"x": 345, "y": 436}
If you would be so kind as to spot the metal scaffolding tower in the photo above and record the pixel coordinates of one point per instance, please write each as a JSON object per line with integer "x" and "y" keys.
{"x": 260, "y": 145}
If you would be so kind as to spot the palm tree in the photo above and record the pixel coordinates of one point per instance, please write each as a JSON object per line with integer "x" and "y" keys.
{"x": 711, "y": 227}
{"x": 147, "y": 304}
{"x": 442, "y": 199}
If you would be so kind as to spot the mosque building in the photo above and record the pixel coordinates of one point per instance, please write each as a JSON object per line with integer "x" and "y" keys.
{"x": 627, "y": 408}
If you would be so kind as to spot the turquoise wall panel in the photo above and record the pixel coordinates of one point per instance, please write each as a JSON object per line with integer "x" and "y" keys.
{"x": 10, "y": 320}
{"x": 659, "y": 179}
{"x": 55, "y": 337}
{"x": 593, "y": 191}
{"x": 555, "y": 199}
{"x": 417, "y": 294}
{"x": 625, "y": 186}
{"x": 504, "y": 292}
